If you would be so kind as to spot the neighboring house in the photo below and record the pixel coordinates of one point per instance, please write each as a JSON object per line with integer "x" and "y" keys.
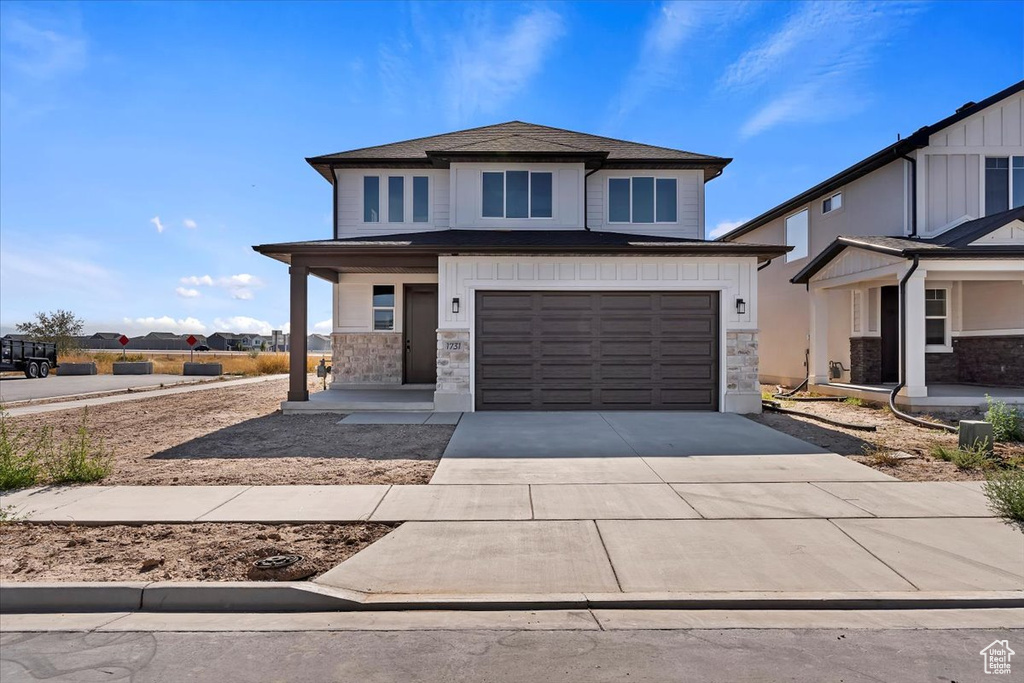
{"x": 518, "y": 266}
{"x": 161, "y": 341}
{"x": 936, "y": 216}
{"x": 318, "y": 342}
{"x": 224, "y": 341}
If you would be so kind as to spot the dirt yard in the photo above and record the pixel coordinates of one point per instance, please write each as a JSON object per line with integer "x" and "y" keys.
{"x": 237, "y": 435}
{"x": 892, "y": 436}
{"x": 168, "y": 552}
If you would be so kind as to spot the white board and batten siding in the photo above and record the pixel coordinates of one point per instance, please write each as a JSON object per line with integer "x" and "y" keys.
{"x": 353, "y": 298}
{"x": 462, "y": 276}
{"x": 689, "y": 204}
{"x": 951, "y": 177}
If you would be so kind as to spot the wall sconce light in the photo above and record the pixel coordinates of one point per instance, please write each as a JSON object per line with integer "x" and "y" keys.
{"x": 455, "y": 305}
{"x": 741, "y": 306}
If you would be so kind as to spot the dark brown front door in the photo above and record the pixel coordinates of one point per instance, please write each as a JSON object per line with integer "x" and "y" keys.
{"x": 597, "y": 350}
{"x": 890, "y": 332}
{"x": 420, "y": 330}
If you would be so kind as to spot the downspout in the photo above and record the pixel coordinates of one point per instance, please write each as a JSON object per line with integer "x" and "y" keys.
{"x": 913, "y": 194}
{"x": 585, "y": 214}
{"x": 903, "y": 357}
{"x": 764, "y": 265}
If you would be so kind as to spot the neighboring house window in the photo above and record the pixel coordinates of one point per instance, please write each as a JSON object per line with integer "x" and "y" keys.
{"x": 832, "y": 203}
{"x": 396, "y": 199}
{"x": 420, "y": 199}
{"x": 371, "y": 199}
{"x": 796, "y": 235}
{"x": 383, "y": 307}
{"x": 935, "y": 316}
{"x": 517, "y": 194}
{"x": 1004, "y": 184}
{"x": 643, "y": 199}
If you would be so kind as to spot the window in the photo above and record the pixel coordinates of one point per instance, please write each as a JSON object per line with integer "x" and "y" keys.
{"x": 396, "y": 199}
{"x": 420, "y": 199}
{"x": 796, "y": 236}
{"x": 935, "y": 317}
{"x": 383, "y": 308}
{"x": 643, "y": 199}
{"x": 517, "y": 194}
{"x": 371, "y": 199}
{"x": 832, "y": 203}
{"x": 1004, "y": 184}
{"x": 856, "y": 309}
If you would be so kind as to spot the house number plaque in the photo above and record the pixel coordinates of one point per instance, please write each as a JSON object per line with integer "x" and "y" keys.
{"x": 453, "y": 346}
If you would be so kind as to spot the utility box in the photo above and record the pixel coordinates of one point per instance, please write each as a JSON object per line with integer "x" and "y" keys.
{"x": 975, "y": 432}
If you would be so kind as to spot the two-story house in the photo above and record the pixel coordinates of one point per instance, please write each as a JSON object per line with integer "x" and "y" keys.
{"x": 906, "y": 268}
{"x": 518, "y": 266}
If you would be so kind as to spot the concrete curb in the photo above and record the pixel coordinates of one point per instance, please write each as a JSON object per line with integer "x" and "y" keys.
{"x": 244, "y": 596}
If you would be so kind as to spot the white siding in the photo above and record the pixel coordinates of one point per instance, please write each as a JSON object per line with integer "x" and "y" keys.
{"x": 350, "y": 202}
{"x": 467, "y": 197}
{"x": 461, "y": 276}
{"x": 853, "y": 262}
{"x": 689, "y": 204}
{"x": 353, "y": 298}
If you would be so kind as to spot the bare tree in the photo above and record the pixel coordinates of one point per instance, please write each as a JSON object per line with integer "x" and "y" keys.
{"x": 60, "y": 327}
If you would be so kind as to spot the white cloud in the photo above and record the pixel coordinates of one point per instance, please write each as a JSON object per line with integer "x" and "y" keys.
{"x": 197, "y": 280}
{"x": 155, "y": 220}
{"x": 190, "y": 224}
{"x": 242, "y": 294}
{"x": 243, "y": 324}
{"x": 135, "y": 326}
{"x": 724, "y": 227}
{"x": 490, "y": 63}
{"x": 324, "y": 326}
{"x": 659, "y": 60}
{"x": 239, "y": 286}
{"x": 811, "y": 63}
{"x": 42, "y": 53}
{"x": 187, "y": 293}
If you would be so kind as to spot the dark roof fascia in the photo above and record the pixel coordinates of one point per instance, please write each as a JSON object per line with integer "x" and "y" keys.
{"x": 877, "y": 160}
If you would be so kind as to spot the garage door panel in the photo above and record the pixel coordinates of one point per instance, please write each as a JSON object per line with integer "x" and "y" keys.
{"x": 596, "y": 350}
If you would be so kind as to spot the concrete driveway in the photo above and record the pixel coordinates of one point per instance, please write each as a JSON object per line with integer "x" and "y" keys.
{"x": 632, "y": 448}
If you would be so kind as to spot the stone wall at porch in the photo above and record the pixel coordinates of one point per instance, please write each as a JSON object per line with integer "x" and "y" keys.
{"x": 367, "y": 358}
{"x": 742, "y": 389}
{"x": 998, "y": 361}
{"x": 453, "y": 389}
{"x": 865, "y": 360}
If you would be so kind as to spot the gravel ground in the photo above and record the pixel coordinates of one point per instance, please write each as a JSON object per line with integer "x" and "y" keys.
{"x": 237, "y": 436}
{"x": 892, "y": 435}
{"x": 170, "y": 552}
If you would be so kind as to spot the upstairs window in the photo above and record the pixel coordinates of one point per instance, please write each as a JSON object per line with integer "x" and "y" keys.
{"x": 383, "y": 308}
{"x": 935, "y": 315}
{"x": 420, "y": 199}
{"x": 832, "y": 203}
{"x": 643, "y": 199}
{"x": 517, "y": 194}
{"x": 371, "y": 199}
{"x": 796, "y": 236}
{"x": 396, "y": 199}
{"x": 1004, "y": 184}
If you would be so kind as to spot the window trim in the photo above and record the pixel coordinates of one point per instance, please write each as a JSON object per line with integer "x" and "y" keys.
{"x": 947, "y": 345}
{"x": 656, "y": 178}
{"x": 529, "y": 195}
{"x": 1009, "y": 181}
{"x": 790, "y": 258}
{"x": 831, "y": 199}
{"x": 384, "y": 197}
{"x": 393, "y": 307}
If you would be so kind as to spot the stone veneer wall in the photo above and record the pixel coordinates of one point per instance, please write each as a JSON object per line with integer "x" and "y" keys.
{"x": 941, "y": 368}
{"x": 865, "y": 360}
{"x": 453, "y": 361}
{"x": 367, "y": 358}
{"x": 741, "y": 363}
{"x": 990, "y": 360}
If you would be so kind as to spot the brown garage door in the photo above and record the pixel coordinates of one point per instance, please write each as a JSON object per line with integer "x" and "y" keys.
{"x": 596, "y": 350}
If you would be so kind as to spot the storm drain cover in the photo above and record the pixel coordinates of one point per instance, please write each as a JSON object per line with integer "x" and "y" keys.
{"x": 276, "y": 561}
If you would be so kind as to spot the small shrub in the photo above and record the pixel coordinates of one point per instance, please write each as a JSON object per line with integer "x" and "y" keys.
{"x": 882, "y": 457}
{"x": 854, "y": 401}
{"x": 976, "y": 457}
{"x": 1006, "y": 420}
{"x": 1005, "y": 492}
{"x": 79, "y": 459}
{"x": 18, "y": 469}
{"x": 254, "y": 353}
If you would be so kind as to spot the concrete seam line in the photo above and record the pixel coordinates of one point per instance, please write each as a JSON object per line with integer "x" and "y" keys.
{"x": 379, "y": 501}
{"x": 628, "y": 445}
{"x": 848, "y": 502}
{"x": 690, "y": 505}
{"x": 604, "y": 547}
{"x": 217, "y": 507}
{"x": 892, "y": 569}
{"x": 593, "y": 616}
{"x": 529, "y": 493}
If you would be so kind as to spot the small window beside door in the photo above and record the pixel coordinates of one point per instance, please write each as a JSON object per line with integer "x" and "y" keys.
{"x": 935, "y": 317}
{"x": 383, "y": 308}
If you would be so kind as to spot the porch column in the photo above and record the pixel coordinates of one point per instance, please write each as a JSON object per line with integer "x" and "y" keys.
{"x": 297, "y": 334}
{"x": 818, "y": 342}
{"x": 914, "y": 361}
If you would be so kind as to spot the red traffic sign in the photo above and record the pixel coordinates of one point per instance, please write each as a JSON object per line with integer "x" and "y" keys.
{"x": 124, "y": 340}
{"x": 191, "y": 340}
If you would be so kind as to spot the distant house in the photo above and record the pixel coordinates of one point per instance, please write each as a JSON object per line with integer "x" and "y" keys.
{"x": 224, "y": 341}
{"x": 318, "y": 342}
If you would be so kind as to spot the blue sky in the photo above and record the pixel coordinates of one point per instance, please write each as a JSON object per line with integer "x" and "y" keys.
{"x": 144, "y": 147}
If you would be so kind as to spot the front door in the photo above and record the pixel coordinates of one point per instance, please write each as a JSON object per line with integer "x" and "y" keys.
{"x": 890, "y": 331}
{"x": 420, "y": 330}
